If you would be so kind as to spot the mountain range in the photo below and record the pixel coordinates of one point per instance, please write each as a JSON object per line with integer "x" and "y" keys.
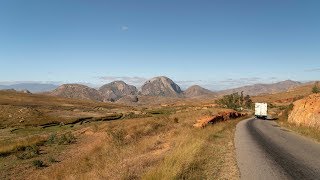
{"x": 257, "y": 89}
{"x": 32, "y": 87}
{"x": 156, "y": 87}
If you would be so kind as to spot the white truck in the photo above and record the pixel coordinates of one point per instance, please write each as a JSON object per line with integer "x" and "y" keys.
{"x": 261, "y": 110}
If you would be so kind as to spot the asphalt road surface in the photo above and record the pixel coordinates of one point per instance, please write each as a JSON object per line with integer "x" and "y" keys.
{"x": 268, "y": 151}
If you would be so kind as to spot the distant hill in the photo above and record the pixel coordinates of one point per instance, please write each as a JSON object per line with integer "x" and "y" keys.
{"x": 257, "y": 89}
{"x": 161, "y": 86}
{"x": 77, "y": 91}
{"x": 287, "y": 96}
{"x": 116, "y": 90}
{"x": 32, "y": 87}
{"x": 196, "y": 91}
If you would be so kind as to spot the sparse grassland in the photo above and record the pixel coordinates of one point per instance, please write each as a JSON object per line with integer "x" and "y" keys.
{"x": 156, "y": 147}
{"x": 200, "y": 154}
{"x": 153, "y": 142}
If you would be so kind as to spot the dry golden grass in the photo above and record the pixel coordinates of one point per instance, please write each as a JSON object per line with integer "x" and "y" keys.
{"x": 10, "y": 146}
{"x": 201, "y": 154}
{"x": 158, "y": 147}
{"x": 310, "y": 132}
{"x": 157, "y": 142}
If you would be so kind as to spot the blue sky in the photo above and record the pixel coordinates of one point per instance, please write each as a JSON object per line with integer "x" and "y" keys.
{"x": 217, "y": 43}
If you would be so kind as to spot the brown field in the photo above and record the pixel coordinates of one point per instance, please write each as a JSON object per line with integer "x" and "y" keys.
{"x": 43, "y": 137}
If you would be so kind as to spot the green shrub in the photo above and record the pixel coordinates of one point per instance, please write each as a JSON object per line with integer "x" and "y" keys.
{"x": 38, "y": 163}
{"x": 162, "y": 111}
{"x": 52, "y": 160}
{"x": 290, "y": 107}
{"x": 236, "y": 101}
{"x": 286, "y": 111}
{"x": 29, "y": 152}
{"x": 67, "y": 138}
{"x": 315, "y": 89}
{"x": 117, "y": 136}
{"x": 52, "y": 138}
{"x": 131, "y": 115}
{"x": 270, "y": 105}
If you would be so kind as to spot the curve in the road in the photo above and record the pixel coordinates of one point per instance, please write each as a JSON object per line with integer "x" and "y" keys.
{"x": 267, "y": 151}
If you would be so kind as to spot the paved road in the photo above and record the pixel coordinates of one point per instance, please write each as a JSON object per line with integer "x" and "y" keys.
{"x": 267, "y": 151}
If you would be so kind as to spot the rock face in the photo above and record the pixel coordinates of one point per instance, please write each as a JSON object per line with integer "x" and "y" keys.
{"x": 77, "y": 91}
{"x": 221, "y": 116}
{"x": 161, "y": 86}
{"x": 116, "y": 90}
{"x": 257, "y": 89}
{"x": 195, "y": 91}
{"x": 306, "y": 111}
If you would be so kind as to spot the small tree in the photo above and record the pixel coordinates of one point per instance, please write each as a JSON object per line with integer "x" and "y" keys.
{"x": 315, "y": 89}
{"x": 236, "y": 101}
{"x": 241, "y": 98}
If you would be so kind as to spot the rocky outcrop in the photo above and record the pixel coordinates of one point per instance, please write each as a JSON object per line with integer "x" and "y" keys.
{"x": 196, "y": 91}
{"x": 161, "y": 86}
{"x": 116, "y": 90}
{"x": 306, "y": 111}
{"x": 221, "y": 116}
{"x": 77, "y": 91}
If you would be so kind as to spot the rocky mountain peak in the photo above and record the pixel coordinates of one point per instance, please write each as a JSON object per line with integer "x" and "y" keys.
{"x": 196, "y": 90}
{"x": 116, "y": 90}
{"x": 77, "y": 91}
{"x": 161, "y": 86}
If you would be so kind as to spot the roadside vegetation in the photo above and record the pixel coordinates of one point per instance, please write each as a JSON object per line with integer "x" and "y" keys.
{"x": 236, "y": 101}
{"x": 311, "y": 132}
{"x": 315, "y": 88}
